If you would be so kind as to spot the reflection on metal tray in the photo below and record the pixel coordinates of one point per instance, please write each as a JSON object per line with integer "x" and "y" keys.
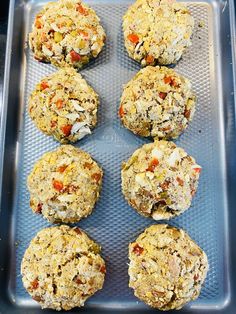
{"x": 208, "y": 63}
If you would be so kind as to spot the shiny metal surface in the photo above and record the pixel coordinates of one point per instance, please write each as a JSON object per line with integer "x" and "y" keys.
{"x": 210, "y": 138}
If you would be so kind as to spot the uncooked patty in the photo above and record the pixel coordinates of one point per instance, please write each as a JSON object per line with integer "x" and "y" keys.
{"x": 64, "y": 106}
{"x": 157, "y": 102}
{"x": 62, "y": 268}
{"x": 64, "y": 185}
{"x": 157, "y": 31}
{"x": 160, "y": 179}
{"x": 66, "y": 33}
{"x": 167, "y": 268}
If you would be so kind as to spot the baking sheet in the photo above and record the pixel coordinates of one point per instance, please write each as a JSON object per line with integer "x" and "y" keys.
{"x": 114, "y": 224}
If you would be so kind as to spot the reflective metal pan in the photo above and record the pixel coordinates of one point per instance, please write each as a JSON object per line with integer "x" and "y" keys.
{"x": 210, "y": 138}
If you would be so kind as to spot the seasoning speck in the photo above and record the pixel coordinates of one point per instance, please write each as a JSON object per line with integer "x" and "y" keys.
{"x": 201, "y": 23}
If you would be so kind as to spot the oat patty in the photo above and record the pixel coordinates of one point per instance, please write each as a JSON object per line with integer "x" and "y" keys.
{"x": 66, "y": 33}
{"x": 64, "y": 106}
{"x": 157, "y": 102}
{"x": 167, "y": 268}
{"x": 160, "y": 179}
{"x": 62, "y": 268}
{"x": 64, "y": 185}
{"x": 157, "y": 31}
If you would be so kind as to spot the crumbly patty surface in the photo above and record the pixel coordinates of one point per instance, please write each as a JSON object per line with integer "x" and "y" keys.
{"x": 157, "y": 102}
{"x": 167, "y": 268}
{"x": 66, "y": 33}
{"x": 64, "y": 106}
{"x": 160, "y": 179}
{"x": 157, "y": 31}
{"x": 64, "y": 185}
{"x": 62, "y": 268}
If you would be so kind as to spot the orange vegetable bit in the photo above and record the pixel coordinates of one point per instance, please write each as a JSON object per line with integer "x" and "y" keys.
{"x": 96, "y": 177}
{"x": 121, "y": 111}
{"x": 83, "y": 33}
{"x": 66, "y": 129}
{"x": 180, "y": 181}
{"x": 133, "y": 38}
{"x": 171, "y": 81}
{"x": 38, "y": 23}
{"x": 150, "y": 59}
{"x": 153, "y": 164}
{"x": 103, "y": 269}
{"x": 187, "y": 113}
{"x": 165, "y": 185}
{"x": 53, "y": 124}
{"x": 81, "y": 9}
{"x": 78, "y": 281}
{"x": 77, "y": 230}
{"x": 197, "y": 169}
{"x": 61, "y": 169}
{"x": 59, "y": 103}
{"x": 58, "y": 185}
{"x": 137, "y": 249}
{"x": 88, "y": 165}
{"x": 44, "y": 37}
{"x": 167, "y": 79}
{"x": 44, "y": 85}
{"x": 35, "y": 284}
{"x": 162, "y": 95}
{"x": 167, "y": 128}
{"x": 75, "y": 57}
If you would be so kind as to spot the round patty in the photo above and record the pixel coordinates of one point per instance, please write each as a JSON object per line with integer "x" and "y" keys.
{"x": 64, "y": 185}
{"x": 157, "y": 102}
{"x": 64, "y": 105}
{"x": 159, "y": 180}
{"x": 62, "y": 268}
{"x": 167, "y": 268}
{"x": 66, "y": 33}
{"x": 157, "y": 31}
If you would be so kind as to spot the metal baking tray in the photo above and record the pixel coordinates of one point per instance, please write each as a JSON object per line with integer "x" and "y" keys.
{"x": 210, "y": 138}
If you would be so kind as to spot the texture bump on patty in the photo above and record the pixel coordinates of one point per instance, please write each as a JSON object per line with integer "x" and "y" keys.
{"x": 157, "y": 102}
{"x": 160, "y": 179}
{"x": 64, "y": 185}
{"x": 167, "y": 268}
{"x": 62, "y": 268}
{"x": 66, "y": 33}
{"x": 64, "y": 106}
{"x": 157, "y": 31}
